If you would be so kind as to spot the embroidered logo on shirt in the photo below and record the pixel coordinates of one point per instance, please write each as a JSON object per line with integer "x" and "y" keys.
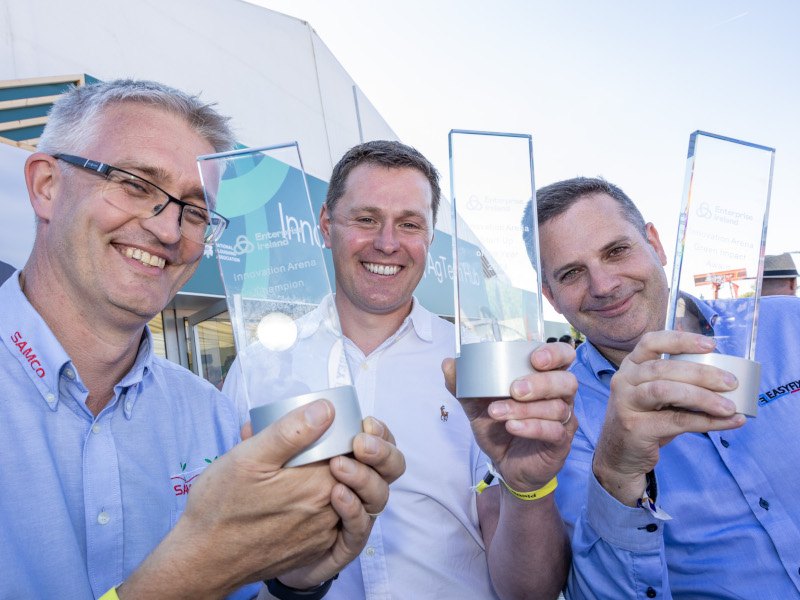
{"x": 27, "y": 351}
{"x": 792, "y": 387}
{"x": 182, "y": 482}
{"x": 444, "y": 413}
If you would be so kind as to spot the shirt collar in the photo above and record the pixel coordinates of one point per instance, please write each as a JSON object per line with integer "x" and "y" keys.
{"x": 588, "y": 355}
{"x": 30, "y": 341}
{"x": 42, "y": 357}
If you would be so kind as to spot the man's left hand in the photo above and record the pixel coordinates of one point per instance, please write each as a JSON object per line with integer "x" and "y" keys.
{"x": 528, "y": 435}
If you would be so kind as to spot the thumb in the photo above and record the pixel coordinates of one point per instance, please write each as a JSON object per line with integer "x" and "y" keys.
{"x": 290, "y": 434}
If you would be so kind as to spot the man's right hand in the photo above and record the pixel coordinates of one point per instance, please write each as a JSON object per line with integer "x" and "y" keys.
{"x": 247, "y": 518}
{"x": 653, "y": 400}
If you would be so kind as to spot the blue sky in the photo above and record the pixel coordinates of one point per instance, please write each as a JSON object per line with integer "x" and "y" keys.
{"x": 605, "y": 88}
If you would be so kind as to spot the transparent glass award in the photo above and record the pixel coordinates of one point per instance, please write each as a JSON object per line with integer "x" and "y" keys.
{"x": 285, "y": 325}
{"x": 719, "y": 255}
{"x": 498, "y": 312}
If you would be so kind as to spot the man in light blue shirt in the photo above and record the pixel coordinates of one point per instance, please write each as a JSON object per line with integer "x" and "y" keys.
{"x": 658, "y": 427}
{"x": 123, "y": 475}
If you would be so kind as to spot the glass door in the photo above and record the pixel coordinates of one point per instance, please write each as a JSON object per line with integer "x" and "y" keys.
{"x": 211, "y": 337}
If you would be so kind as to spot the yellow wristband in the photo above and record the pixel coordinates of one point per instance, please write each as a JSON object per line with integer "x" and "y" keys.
{"x": 110, "y": 595}
{"x": 535, "y": 494}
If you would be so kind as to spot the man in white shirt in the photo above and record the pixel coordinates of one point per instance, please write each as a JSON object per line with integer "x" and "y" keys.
{"x": 437, "y": 538}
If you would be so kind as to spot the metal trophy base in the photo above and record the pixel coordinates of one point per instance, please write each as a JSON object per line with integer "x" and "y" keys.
{"x": 748, "y": 372}
{"x": 487, "y": 369}
{"x": 338, "y": 439}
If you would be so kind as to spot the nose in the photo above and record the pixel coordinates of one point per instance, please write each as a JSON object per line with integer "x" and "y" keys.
{"x": 386, "y": 239}
{"x": 603, "y": 281}
{"x": 165, "y": 225}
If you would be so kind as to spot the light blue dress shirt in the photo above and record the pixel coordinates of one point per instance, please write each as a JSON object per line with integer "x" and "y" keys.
{"x": 84, "y": 499}
{"x": 733, "y": 495}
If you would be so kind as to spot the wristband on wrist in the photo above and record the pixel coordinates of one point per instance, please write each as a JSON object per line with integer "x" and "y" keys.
{"x": 284, "y": 592}
{"x": 110, "y": 595}
{"x": 492, "y": 473}
{"x": 648, "y": 499}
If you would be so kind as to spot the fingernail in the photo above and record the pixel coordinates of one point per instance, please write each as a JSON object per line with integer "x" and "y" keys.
{"x": 730, "y": 379}
{"x": 345, "y": 465}
{"x": 514, "y": 426}
{"x": 346, "y": 495}
{"x": 316, "y": 413}
{"x": 706, "y": 343}
{"x": 543, "y": 358}
{"x": 727, "y": 405}
{"x": 521, "y": 388}
{"x": 498, "y": 409}
{"x": 376, "y": 426}
{"x": 370, "y": 445}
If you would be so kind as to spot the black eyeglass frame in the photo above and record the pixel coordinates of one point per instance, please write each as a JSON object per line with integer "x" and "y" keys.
{"x": 104, "y": 170}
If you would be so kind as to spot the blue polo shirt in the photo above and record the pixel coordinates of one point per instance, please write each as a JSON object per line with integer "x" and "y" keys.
{"x": 84, "y": 499}
{"x": 733, "y": 495}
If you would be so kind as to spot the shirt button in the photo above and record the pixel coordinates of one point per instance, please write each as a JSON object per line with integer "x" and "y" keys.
{"x": 650, "y": 593}
{"x": 69, "y": 373}
{"x": 725, "y": 443}
{"x": 128, "y": 406}
{"x": 364, "y": 366}
{"x": 50, "y": 397}
{"x": 370, "y": 551}
{"x": 96, "y": 428}
{"x": 652, "y": 527}
{"x": 763, "y": 504}
{"x": 103, "y": 518}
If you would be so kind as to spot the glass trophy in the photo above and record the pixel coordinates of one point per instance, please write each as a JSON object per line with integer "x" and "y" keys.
{"x": 285, "y": 325}
{"x": 498, "y": 314}
{"x": 719, "y": 255}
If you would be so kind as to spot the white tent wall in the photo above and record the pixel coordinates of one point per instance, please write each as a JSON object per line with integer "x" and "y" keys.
{"x": 269, "y": 71}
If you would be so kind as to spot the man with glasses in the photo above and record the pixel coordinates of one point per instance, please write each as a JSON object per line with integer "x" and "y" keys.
{"x": 101, "y": 440}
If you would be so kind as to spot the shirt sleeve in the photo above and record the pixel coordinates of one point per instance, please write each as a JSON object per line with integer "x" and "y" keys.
{"x": 617, "y": 550}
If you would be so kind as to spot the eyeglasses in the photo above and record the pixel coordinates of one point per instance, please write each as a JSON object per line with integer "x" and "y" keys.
{"x": 140, "y": 198}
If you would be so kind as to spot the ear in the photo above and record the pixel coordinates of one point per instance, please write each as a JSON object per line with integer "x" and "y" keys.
{"x": 655, "y": 242}
{"x": 325, "y": 225}
{"x": 548, "y": 293}
{"x": 41, "y": 174}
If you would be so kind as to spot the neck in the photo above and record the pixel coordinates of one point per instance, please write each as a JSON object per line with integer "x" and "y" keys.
{"x": 102, "y": 350}
{"x": 368, "y": 330}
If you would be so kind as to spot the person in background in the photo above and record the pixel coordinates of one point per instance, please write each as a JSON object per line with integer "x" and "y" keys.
{"x": 780, "y": 275}
{"x": 567, "y": 339}
{"x": 124, "y": 476}
{"x": 655, "y": 438}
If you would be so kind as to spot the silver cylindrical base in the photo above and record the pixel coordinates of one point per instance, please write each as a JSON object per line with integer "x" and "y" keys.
{"x": 487, "y": 369}
{"x": 748, "y": 372}
{"x": 338, "y": 439}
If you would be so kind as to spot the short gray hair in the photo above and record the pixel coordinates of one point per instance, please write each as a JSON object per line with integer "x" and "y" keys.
{"x": 75, "y": 114}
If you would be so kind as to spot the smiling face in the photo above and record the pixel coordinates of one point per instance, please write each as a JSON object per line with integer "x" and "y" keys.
{"x": 379, "y": 232}
{"x": 107, "y": 261}
{"x": 603, "y": 275}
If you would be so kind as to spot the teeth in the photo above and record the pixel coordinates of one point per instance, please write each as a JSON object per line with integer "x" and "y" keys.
{"x": 382, "y": 269}
{"x": 151, "y": 260}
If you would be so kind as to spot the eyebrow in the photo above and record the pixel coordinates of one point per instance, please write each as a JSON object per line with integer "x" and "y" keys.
{"x": 159, "y": 175}
{"x": 404, "y": 214}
